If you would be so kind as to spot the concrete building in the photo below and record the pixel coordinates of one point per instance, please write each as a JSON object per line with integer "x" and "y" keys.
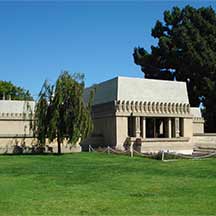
{"x": 15, "y": 118}
{"x": 152, "y": 115}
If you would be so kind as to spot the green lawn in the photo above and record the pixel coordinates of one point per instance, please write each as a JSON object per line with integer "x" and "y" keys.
{"x": 100, "y": 184}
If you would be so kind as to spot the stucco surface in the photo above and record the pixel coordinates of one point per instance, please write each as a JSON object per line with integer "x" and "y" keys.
{"x": 175, "y": 146}
{"x": 103, "y": 92}
{"x": 196, "y": 112}
{"x": 139, "y": 89}
{"x": 15, "y": 106}
{"x": 14, "y": 127}
{"x": 7, "y": 145}
{"x": 205, "y": 141}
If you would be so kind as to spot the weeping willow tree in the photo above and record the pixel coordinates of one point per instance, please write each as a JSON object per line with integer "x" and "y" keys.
{"x": 60, "y": 112}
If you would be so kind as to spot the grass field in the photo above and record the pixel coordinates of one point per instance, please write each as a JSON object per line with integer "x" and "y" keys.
{"x": 100, "y": 184}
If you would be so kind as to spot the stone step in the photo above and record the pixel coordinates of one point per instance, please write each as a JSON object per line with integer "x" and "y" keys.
{"x": 200, "y": 148}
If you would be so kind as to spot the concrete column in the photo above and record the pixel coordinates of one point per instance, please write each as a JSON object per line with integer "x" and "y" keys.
{"x": 137, "y": 126}
{"x": 144, "y": 127}
{"x": 169, "y": 128}
{"x": 188, "y": 127}
{"x": 120, "y": 131}
{"x": 161, "y": 129}
{"x": 177, "y": 129}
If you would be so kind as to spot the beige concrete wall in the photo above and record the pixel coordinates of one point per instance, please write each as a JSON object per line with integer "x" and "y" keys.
{"x": 12, "y": 130}
{"x": 11, "y": 127}
{"x": 7, "y": 145}
{"x": 205, "y": 141}
{"x": 188, "y": 127}
{"x": 184, "y": 147}
{"x": 113, "y": 129}
{"x": 121, "y": 131}
{"x": 107, "y": 128}
{"x": 198, "y": 128}
{"x": 198, "y": 125}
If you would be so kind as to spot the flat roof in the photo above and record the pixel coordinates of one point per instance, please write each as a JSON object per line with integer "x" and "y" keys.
{"x": 139, "y": 89}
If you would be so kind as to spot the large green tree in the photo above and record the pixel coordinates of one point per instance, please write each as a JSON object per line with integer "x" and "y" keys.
{"x": 186, "y": 51}
{"x": 9, "y": 90}
{"x": 60, "y": 112}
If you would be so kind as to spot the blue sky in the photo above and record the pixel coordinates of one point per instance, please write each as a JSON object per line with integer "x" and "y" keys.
{"x": 40, "y": 39}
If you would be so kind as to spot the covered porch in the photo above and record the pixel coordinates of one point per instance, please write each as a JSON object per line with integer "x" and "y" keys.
{"x": 153, "y": 134}
{"x": 155, "y": 127}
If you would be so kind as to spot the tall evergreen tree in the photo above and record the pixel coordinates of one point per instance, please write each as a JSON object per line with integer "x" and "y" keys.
{"x": 61, "y": 113}
{"x": 186, "y": 51}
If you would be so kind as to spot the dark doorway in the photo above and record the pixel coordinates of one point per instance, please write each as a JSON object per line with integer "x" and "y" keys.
{"x": 149, "y": 127}
{"x": 155, "y": 127}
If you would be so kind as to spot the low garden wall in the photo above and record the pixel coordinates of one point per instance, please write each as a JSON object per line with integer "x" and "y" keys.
{"x": 27, "y": 144}
{"x": 178, "y": 145}
{"x": 206, "y": 140}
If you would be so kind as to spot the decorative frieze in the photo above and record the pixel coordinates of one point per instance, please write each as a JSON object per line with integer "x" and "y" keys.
{"x": 198, "y": 119}
{"x": 152, "y": 107}
{"x": 11, "y": 116}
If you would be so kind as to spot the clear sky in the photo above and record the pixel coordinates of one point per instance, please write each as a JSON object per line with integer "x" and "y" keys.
{"x": 40, "y": 39}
